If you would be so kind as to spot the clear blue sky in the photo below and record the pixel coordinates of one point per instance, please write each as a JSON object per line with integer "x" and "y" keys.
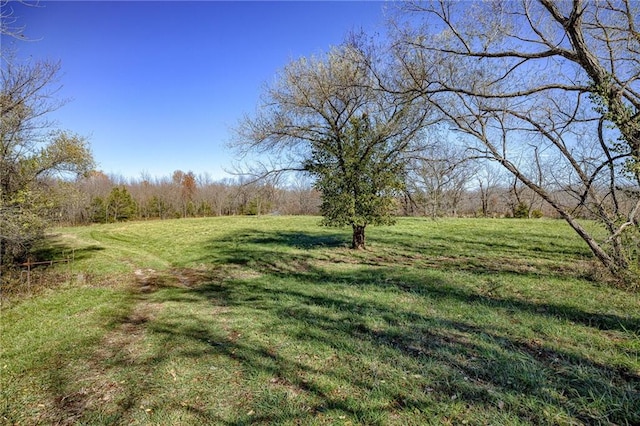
{"x": 157, "y": 86}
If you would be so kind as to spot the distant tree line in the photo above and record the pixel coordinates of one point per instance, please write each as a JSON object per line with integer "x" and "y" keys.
{"x": 437, "y": 188}
{"x": 101, "y": 198}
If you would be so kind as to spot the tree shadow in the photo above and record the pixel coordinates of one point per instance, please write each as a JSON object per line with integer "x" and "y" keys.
{"x": 301, "y": 240}
{"x": 536, "y": 244}
{"x": 53, "y": 249}
{"x": 484, "y": 366}
{"x": 301, "y": 267}
{"x": 539, "y": 256}
{"x": 478, "y": 365}
{"x": 371, "y": 344}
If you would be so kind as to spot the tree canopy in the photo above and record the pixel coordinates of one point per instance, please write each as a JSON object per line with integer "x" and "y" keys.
{"x": 329, "y": 117}
{"x": 31, "y": 152}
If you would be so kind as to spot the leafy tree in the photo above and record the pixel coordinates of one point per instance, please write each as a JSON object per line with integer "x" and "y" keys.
{"x": 159, "y": 207}
{"x": 521, "y": 211}
{"x": 30, "y": 152}
{"x": 328, "y": 117}
{"x": 358, "y": 183}
{"x": 98, "y": 210}
{"x": 120, "y": 205}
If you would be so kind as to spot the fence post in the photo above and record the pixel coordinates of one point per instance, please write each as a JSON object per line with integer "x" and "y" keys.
{"x": 29, "y": 275}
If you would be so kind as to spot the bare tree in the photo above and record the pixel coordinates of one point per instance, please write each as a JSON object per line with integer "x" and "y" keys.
{"x": 187, "y": 188}
{"x": 438, "y": 179}
{"x": 301, "y": 198}
{"x": 488, "y": 178}
{"x": 540, "y": 82}
{"x": 9, "y": 21}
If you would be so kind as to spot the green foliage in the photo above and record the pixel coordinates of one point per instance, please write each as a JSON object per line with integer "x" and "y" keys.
{"x": 159, "y": 207}
{"x": 630, "y": 240}
{"x": 358, "y": 177}
{"x": 204, "y": 208}
{"x": 98, "y": 210}
{"x": 521, "y": 211}
{"x": 30, "y": 153}
{"x": 21, "y": 227}
{"x": 23, "y": 219}
{"x": 330, "y": 116}
{"x": 258, "y": 206}
{"x": 537, "y": 214}
{"x": 120, "y": 205}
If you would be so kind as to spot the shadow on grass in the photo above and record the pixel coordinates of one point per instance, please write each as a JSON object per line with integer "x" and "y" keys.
{"x": 249, "y": 250}
{"x": 305, "y": 343}
{"x": 54, "y": 250}
{"x": 406, "y": 365}
{"x": 546, "y": 246}
{"x": 300, "y": 240}
{"x": 481, "y": 253}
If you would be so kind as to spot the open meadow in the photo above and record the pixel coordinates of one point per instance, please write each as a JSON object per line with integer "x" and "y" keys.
{"x": 274, "y": 320}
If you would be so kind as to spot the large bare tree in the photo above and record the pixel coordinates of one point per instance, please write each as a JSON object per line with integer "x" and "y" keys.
{"x": 540, "y": 85}
{"x": 327, "y": 116}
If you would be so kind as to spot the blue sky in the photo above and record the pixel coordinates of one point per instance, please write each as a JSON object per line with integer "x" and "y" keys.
{"x": 157, "y": 86}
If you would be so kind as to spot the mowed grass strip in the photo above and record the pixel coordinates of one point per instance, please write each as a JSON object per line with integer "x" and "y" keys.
{"x": 273, "y": 320}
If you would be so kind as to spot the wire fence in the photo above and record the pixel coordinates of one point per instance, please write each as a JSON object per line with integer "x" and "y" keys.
{"x": 26, "y": 276}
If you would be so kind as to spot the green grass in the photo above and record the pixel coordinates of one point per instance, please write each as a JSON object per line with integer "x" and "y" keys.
{"x": 273, "y": 320}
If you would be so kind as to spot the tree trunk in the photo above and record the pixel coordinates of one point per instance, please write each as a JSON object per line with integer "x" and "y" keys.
{"x": 616, "y": 266}
{"x": 358, "y": 237}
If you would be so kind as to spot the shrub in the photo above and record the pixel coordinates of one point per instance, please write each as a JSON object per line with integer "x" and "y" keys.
{"x": 521, "y": 211}
{"x": 536, "y": 214}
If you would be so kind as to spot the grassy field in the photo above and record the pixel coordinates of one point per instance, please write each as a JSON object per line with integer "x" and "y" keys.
{"x": 273, "y": 320}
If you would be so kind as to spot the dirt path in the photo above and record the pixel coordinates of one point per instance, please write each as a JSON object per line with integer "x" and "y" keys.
{"x": 112, "y": 379}
{"x": 117, "y": 378}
